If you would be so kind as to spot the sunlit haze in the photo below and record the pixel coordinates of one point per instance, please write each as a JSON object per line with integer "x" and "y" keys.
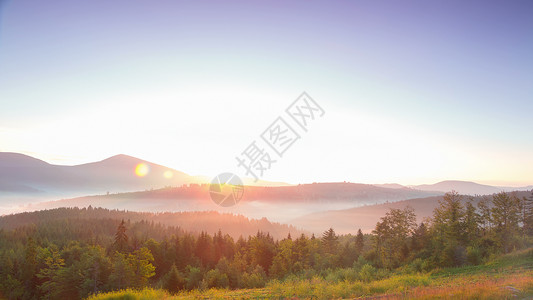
{"x": 413, "y": 92}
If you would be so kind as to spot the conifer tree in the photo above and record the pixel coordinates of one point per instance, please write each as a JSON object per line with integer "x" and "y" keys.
{"x": 121, "y": 238}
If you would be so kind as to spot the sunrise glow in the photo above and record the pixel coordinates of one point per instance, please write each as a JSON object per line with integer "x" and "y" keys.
{"x": 142, "y": 170}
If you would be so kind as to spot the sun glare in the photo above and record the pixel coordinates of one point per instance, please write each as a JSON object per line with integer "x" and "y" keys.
{"x": 142, "y": 169}
{"x": 168, "y": 174}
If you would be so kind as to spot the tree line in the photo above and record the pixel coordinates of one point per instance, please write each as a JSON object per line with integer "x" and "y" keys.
{"x": 71, "y": 258}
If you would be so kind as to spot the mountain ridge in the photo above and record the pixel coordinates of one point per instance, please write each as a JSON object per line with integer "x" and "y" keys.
{"x": 116, "y": 174}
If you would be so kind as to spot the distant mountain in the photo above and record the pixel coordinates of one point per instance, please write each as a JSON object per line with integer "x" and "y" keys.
{"x": 335, "y": 192}
{"x": 22, "y": 174}
{"x": 467, "y": 187}
{"x": 192, "y": 222}
{"x": 275, "y": 203}
{"x": 391, "y": 186}
{"x": 27, "y": 179}
{"x": 366, "y": 217}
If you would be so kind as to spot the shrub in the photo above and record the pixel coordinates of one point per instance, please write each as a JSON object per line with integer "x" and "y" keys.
{"x": 427, "y": 265}
{"x": 257, "y": 279}
{"x": 215, "y": 279}
{"x": 414, "y": 267}
{"x": 473, "y": 255}
{"x": 367, "y": 273}
{"x": 194, "y": 278}
{"x": 339, "y": 275}
{"x": 360, "y": 262}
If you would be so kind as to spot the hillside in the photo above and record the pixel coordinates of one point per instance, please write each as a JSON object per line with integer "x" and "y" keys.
{"x": 194, "y": 222}
{"x": 467, "y": 187}
{"x": 366, "y": 217}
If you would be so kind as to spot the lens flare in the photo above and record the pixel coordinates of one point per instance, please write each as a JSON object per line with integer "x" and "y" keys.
{"x": 168, "y": 174}
{"x": 142, "y": 169}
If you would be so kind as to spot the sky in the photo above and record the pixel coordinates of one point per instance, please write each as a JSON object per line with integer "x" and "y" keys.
{"x": 413, "y": 92}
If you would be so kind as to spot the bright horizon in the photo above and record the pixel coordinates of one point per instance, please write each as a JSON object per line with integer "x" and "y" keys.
{"x": 413, "y": 93}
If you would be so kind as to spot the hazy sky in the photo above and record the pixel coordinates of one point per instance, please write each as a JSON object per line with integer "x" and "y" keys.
{"x": 413, "y": 91}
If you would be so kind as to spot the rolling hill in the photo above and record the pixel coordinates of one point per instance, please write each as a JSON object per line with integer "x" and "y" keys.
{"x": 349, "y": 220}
{"x": 468, "y": 187}
{"x": 192, "y": 222}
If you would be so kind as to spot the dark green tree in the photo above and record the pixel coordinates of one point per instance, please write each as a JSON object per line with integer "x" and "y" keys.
{"x": 420, "y": 238}
{"x": 527, "y": 215}
{"x": 392, "y": 235}
{"x": 485, "y": 215}
{"x": 48, "y": 275}
{"x": 174, "y": 281}
{"x": 448, "y": 231}
{"x": 471, "y": 224}
{"x": 96, "y": 270}
{"x": 121, "y": 238}
{"x": 29, "y": 270}
{"x": 262, "y": 250}
{"x": 359, "y": 242}
{"x": 506, "y": 215}
{"x": 122, "y": 272}
{"x": 330, "y": 241}
{"x": 204, "y": 250}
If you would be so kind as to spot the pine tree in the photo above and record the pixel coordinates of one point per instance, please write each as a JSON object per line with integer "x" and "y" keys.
{"x": 448, "y": 231}
{"x": 329, "y": 241}
{"x": 48, "y": 275}
{"x": 359, "y": 242}
{"x": 506, "y": 214}
{"x": 204, "y": 249}
{"x": 262, "y": 250}
{"x": 420, "y": 238}
{"x": 485, "y": 215}
{"x": 97, "y": 267}
{"x": 470, "y": 224}
{"x": 121, "y": 238}
{"x": 29, "y": 269}
{"x": 527, "y": 214}
{"x": 173, "y": 281}
{"x": 449, "y": 216}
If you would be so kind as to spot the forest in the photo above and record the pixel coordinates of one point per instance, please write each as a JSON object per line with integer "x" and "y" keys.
{"x": 56, "y": 254}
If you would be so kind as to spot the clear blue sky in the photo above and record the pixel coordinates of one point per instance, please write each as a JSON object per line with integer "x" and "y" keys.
{"x": 414, "y": 91}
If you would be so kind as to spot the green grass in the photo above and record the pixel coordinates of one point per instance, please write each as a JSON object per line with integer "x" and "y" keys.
{"x": 505, "y": 277}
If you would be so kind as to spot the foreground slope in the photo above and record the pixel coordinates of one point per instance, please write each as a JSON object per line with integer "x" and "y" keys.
{"x": 510, "y": 276}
